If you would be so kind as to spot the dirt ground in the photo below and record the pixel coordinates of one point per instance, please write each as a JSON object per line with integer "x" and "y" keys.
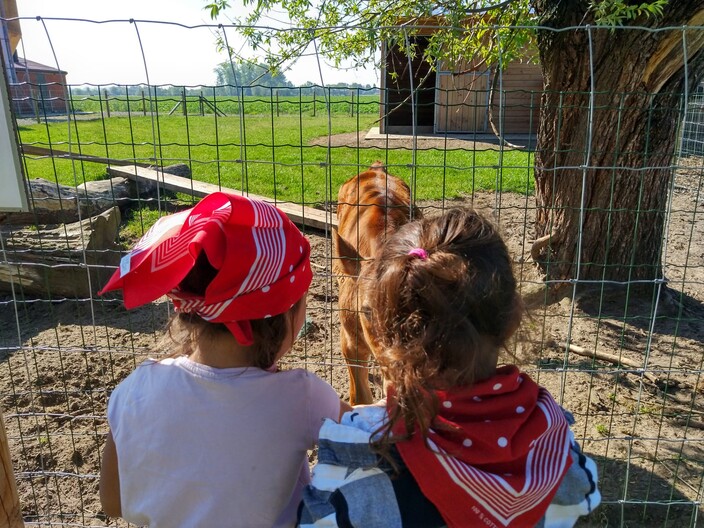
{"x": 646, "y": 434}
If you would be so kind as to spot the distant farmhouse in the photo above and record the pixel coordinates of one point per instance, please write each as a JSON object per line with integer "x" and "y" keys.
{"x": 455, "y": 99}
{"x": 35, "y": 89}
{"x": 39, "y": 88}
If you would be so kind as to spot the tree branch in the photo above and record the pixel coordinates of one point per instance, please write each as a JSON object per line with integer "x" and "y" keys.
{"x": 489, "y": 8}
{"x": 610, "y": 358}
{"x": 540, "y": 244}
{"x": 499, "y": 135}
{"x": 668, "y": 58}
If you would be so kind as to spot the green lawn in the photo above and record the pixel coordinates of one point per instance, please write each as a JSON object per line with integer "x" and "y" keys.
{"x": 275, "y": 158}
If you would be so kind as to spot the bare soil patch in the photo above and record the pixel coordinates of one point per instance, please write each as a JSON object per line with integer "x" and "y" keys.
{"x": 399, "y": 141}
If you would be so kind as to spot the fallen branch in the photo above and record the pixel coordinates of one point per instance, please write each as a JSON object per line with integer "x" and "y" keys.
{"x": 539, "y": 245}
{"x": 610, "y": 358}
{"x": 688, "y": 422}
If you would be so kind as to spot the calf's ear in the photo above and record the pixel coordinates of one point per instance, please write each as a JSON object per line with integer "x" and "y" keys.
{"x": 377, "y": 166}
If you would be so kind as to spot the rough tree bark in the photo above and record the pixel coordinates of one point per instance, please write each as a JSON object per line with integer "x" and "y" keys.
{"x": 639, "y": 78}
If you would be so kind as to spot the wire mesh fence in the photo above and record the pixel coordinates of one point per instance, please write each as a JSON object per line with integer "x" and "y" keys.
{"x": 693, "y": 125}
{"x": 617, "y": 339}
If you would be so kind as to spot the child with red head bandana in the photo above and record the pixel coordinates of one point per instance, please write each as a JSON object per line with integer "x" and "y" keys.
{"x": 459, "y": 441}
{"x": 213, "y": 435}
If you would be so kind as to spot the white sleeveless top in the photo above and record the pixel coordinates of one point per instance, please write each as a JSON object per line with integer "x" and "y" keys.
{"x": 200, "y": 446}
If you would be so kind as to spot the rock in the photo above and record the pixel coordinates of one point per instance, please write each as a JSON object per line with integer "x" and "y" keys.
{"x": 53, "y": 203}
{"x": 72, "y": 260}
{"x": 110, "y": 192}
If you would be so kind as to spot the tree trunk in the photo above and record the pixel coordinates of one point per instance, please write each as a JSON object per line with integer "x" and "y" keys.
{"x": 604, "y": 158}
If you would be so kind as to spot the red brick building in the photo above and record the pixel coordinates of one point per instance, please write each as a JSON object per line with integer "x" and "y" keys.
{"x": 39, "y": 89}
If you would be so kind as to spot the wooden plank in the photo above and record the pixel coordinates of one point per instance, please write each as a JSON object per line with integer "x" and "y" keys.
{"x": 516, "y": 112}
{"x": 462, "y": 101}
{"x": 518, "y": 106}
{"x": 513, "y": 117}
{"x": 516, "y": 98}
{"x": 527, "y": 85}
{"x": 534, "y": 76}
{"x": 524, "y": 87}
{"x": 518, "y": 122}
{"x": 521, "y": 128}
{"x": 299, "y": 214}
{"x": 34, "y": 150}
{"x": 523, "y": 69}
{"x": 10, "y": 511}
{"x": 524, "y": 82}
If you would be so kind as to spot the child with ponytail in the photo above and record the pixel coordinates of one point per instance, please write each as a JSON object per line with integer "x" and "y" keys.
{"x": 460, "y": 441}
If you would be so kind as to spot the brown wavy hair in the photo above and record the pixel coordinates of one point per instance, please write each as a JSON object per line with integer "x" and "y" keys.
{"x": 438, "y": 322}
{"x": 186, "y": 329}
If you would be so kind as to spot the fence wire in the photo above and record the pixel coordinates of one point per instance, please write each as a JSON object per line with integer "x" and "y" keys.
{"x": 618, "y": 341}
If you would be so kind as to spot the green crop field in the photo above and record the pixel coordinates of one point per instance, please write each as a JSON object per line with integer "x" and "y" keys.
{"x": 269, "y": 155}
{"x": 356, "y": 102}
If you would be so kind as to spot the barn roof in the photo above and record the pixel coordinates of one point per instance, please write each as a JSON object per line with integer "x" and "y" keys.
{"x": 22, "y": 63}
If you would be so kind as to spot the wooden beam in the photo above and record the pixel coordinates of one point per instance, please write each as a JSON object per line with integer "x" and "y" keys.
{"x": 10, "y": 511}
{"x": 34, "y": 150}
{"x": 298, "y": 213}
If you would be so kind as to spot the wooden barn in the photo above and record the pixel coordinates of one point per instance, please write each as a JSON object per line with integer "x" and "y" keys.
{"x": 456, "y": 99}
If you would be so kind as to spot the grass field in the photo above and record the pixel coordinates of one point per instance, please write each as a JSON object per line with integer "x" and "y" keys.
{"x": 269, "y": 155}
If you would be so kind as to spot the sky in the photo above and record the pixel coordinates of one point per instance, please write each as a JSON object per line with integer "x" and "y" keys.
{"x": 110, "y": 53}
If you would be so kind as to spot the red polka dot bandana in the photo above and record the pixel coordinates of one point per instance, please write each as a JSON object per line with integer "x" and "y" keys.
{"x": 263, "y": 262}
{"x": 497, "y": 452}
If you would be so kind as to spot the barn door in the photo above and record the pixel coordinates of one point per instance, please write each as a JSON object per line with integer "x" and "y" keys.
{"x": 461, "y": 101}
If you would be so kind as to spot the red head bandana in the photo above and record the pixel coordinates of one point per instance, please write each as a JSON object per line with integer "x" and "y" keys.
{"x": 261, "y": 257}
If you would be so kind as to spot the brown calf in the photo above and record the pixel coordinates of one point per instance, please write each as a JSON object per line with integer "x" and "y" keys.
{"x": 370, "y": 206}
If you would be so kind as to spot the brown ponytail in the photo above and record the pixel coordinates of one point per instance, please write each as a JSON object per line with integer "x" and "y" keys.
{"x": 438, "y": 317}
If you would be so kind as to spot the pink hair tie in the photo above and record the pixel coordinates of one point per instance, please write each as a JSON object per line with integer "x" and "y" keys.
{"x": 418, "y": 252}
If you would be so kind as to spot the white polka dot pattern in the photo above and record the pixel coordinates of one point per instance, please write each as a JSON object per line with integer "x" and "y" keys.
{"x": 499, "y": 419}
